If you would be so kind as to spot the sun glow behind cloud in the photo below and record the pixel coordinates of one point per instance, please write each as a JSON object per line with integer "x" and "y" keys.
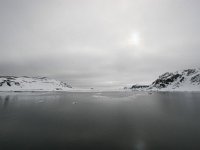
{"x": 135, "y": 39}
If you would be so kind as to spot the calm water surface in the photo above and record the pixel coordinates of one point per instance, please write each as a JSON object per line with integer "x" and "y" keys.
{"x": 100, "y": 121}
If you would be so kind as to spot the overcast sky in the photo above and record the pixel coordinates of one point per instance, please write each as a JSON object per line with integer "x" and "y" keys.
{"x": 99, "y": 43}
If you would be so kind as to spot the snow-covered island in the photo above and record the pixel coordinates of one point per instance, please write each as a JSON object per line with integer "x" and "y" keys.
{"x": 185, "y": 80}
{"x": 12, "y": 83}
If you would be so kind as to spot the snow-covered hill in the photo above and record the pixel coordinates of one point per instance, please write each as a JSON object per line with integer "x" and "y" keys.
{"x": 11, "y": 83}
{"x": 185, "y": 80}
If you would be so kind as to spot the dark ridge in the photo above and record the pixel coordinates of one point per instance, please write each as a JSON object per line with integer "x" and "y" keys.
{"x": 139, "y": 86}
{"x": 196, "y": 78}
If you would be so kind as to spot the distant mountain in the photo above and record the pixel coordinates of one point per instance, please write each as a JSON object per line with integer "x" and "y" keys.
{"x": 185, "y": 80}
{"x": 138, "y": 87}
{"x": 12, "y": 83}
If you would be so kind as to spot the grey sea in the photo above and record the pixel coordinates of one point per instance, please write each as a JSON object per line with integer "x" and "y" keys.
{"x": 100, "y": 121}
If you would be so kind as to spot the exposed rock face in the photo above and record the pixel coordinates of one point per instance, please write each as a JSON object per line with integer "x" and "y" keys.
{"x": 11, "y": 83}
{"x": 166, "y": 79}
{"x": 196, "y": 79}
{"x": 185, "y": 80}
{"x": 139, "y": 87}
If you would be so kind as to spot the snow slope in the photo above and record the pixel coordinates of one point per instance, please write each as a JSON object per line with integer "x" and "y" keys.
{"x": 184, "y": 80}
{"x": 11, "y": 83}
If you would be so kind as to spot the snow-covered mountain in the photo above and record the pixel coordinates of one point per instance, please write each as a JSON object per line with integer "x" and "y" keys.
{"x": 12, "y": 83}
{"x": 185, "y": 80}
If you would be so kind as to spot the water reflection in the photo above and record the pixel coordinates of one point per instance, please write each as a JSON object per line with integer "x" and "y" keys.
{"x": 179, "y": 103}
{"x": 140, "y": 145}
{"x": 111, "y": 121}
{"x": 4, "y": 101}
